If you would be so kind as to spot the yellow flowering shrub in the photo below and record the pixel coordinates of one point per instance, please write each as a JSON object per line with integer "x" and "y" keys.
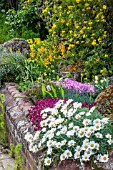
{"x": 77, "y": 31}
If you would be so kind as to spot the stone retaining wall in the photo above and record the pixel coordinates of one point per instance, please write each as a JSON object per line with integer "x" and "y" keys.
{"x": 16, "y": 123}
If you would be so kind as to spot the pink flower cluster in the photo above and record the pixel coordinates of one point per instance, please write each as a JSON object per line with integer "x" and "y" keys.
{"x": 77, "y": 86}
{"x": 34, "y": 113}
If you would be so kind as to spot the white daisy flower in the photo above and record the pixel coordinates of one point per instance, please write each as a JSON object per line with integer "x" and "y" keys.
{"x": 43, "y": 129}
{"x": 76, "y": 128}
{"x": 54, "y": 112}
{"x": 91, "y": 129}
{"x": 70, "y": 133}
{"x": 86, "y": 141}
{"x": 110, "y": 142}
{"x": 49, "y": 151}
{"x": 40, "y": 145}
{"x": 108, "y": 136}
{"x": 92, "y": 109}
{"x": 51, "y": 135}
{"x": 97, "y": 146}
{"x": 59, "y": 126}
{"x": 77, "y": 155}
{"x": 70, "y": 113}
{"x": 36, "y": 136}
{"x": 97, "y": 127}
{"x": 58, "y": 144}
{"x": 49, "y": 143}
{"x": 47, "y": 161}
{"x": 88, "y": 134}
{"x": 71, "y": 125}
{"x": 85, "y": 157}
{"x": 78, "y": 149}
{"x": 86, "y": 122}
{"x": 88, "y": 114}
{"x": 31, "y": 147}
{"x": 35, "y": 149}
{"x": 48, "y": 109}
{"x": 81, "y": 113}
{"x": 63, "y": 142}
{"x": 96, "y": 122}
{"x": 58, "y": 133}
{"x": 43, "y": 123}
{"x": 85, "y": 146}
{"x": 80, "y": 133}
{"x": 88, "y": 152}
{"x": 69, "y": 101}
{"x": 78, "y": 116}
{"x": 77, "y": 105}
{"x": 62, "y": 157}
{"x": 64, "y": 130}
{"x": 71, "y": 143}
{"x": 103, "y": 158}
{"x": 92, "y": 144}
{"x": 53, "y": 130}
{"x": 68, "y": 154}
{"x": 105, "y": 120}
{"x": 44, "y": 116}
{"x": 43, "y": 139}
{"x": 98, "y": 135}
{"x": 29, "y": 137}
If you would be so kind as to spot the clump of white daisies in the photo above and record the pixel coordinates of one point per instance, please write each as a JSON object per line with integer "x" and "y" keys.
{"x": 70, "y": 131}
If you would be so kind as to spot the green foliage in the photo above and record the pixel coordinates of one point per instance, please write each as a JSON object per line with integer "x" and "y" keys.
{"x": 4, "y": 29}
{"x": 12, "y": 65}
{"x": 15, "y": 152}
{"x": 2, "y": 122}
{"x": 26, "y": 22}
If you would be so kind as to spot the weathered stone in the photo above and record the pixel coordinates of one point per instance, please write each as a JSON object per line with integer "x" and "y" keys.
{"x": 105, "y": 101}
{"x": 17, "y": 44}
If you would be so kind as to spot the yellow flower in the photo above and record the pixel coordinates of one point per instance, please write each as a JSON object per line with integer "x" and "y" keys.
{"x": 94, "y": 42}
{"x": 67, "y": 23}
{"x": 77, "y": 26}
{"x": 37, "y": 40}
{"x": 104, "y": 7}
{"x": 81, "y": 31}
{"x": 30, "y": 41}
{"x": 78, "y": 1}
{"x": 86, "y": 4}
{"x": 32, "y": 54}
{"x": 62, "y": 21}
{"x": 70, "y": 31}
{"x": 71, "y": 39}
{"x": 54, "y": 26}
{"x": 45, "y": 10}
{"x": 90, "y": 23}
{"x": 106, "y": 55}
{"x": 77, "y": 42}
{"x": 75, "y": 34}
{"x": 69, "y": 7}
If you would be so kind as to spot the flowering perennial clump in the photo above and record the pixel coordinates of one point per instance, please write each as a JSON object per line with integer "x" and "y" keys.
{"x": 70, "y": 131}
{"x": 34, "y": 113}
{"x": 77, "y": 86}
{"x": 81, "y": 92}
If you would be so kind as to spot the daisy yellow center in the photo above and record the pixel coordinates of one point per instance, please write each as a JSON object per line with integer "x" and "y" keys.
{"x": 92, "y": 145}
{"x": 104, "y": 158}
{"x": 86, "y": 147}
{"x": 48, "y": 161}
{"x": 68, "y": 154}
